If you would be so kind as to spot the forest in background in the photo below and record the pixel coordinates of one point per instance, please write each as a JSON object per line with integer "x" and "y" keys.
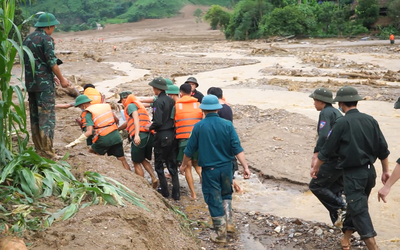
{"x": 238, "y": 19}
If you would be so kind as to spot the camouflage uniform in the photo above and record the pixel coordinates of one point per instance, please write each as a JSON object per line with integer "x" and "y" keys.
{"x": 41, "y": 90}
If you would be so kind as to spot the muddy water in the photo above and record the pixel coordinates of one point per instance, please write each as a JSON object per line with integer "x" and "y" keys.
{"x": 289, "y": 202}
{"x": 131, "y": 74}
{"x": 279, "y": 198}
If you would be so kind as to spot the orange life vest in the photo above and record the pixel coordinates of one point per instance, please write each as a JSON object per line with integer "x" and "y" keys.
{"x": 103, "y": 118}
{"x": 187, "y": 114}
{"x": 93, "y": 95}
{"x": 391, "y": 37}
{"x": 144, "y": 118}
{"x": 83, "y": 119}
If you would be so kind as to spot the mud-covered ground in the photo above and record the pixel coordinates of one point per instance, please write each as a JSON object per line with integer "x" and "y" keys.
{"x": 278, "y": 143}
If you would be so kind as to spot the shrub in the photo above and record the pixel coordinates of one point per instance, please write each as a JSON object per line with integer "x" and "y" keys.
{"x": 217, "y": 17}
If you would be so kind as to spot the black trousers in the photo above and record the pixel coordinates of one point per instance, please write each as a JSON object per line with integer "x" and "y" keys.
{"x": 165, "y": 155}
{"x": 358, "y": 183}
{"x": 328, "y": 188}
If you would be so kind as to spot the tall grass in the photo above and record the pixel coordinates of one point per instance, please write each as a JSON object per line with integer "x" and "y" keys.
{"x": 25, "y": 177}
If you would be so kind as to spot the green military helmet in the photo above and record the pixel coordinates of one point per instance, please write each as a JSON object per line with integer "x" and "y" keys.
{"x": 347, "y": 94}
{"x": 193, "y": 80}
{"x": 172, "y": 89}
{"x": 169, "y": 82}
{"x": 397, "y": 104}
{"x": 81, "y": 100}
{"x": 123, "y": 95}
{"x": 46, "y": 20}
{"x": 159, "y": 83}
{"x": 322, "y": 94}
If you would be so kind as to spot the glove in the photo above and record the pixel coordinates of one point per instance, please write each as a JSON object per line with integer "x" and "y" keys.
{"x": 81, "y": 139}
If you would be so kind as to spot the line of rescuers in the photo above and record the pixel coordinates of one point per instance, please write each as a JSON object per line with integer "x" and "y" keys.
{"x": 342, "y": 167}
{"x": 175, "y": 111}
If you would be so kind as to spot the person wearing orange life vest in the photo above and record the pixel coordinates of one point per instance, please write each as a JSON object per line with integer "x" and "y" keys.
{"x": 93, "y": 94}
{"x": 102, "y": 124}
{"x": 186, "y": 114}
{"x": 136, "y": 116}
{"x": 391, "y": 39}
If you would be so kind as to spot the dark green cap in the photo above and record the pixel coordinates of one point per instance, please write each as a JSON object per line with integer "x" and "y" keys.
{"x": 322, "y": 94}
{"x": 81, "y": 100}
{"x": 193, "y": 80}
{"x": 347, "y": 94}
{"x": 123, "y": 95}
{"x": 159, "y": 83}
{"x": 397, "y": 104}
{"x": 46, "y": 20}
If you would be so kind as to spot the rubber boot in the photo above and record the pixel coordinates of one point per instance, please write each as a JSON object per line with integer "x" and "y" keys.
{"x": 230, "y": 227}
{"x": 175, "y": 187}
{"x": 220, "y": 228}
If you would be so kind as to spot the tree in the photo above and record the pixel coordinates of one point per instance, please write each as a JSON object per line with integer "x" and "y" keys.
{"x": 290, "y": 20}
{"x": 367, "y": 12}
{"x": 245, "y": 19}
{"x": 198, "y": 14}
{"x": 217, "y": 17}
{"x": 393, "y": 11}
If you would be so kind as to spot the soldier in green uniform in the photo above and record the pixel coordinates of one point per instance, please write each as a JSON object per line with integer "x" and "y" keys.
{"x": 357, "y": 139}
{"x": 41, "y": 84}
{"x": 328, "y": 186}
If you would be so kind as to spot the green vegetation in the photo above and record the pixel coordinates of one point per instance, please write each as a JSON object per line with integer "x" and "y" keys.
{"x": 26, "y": 179}
{"x": 79, "y": 15}
{"x": 217, "y": 17}
{"x": 253, "y": 19}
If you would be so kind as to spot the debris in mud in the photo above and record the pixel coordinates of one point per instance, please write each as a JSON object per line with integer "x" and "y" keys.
{"x": 93, "y": 56}
{"x": 272, "y": 50}
{"x": 322, "y": 60}
{"x": 281, "y": 233}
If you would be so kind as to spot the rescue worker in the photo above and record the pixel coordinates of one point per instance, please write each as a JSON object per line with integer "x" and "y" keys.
{"x": 217, "y": 143}
{"x": 384, "y": 191}
{"x": 226, "y": 113}
{"x": 391, "y": 39}
{"x": 101, "y": 122}
{"x": 90, "y": 91}
{"x": 358, "y": 141}
{"x": 41, "y": 84}
{"x": 195, "y": 93}
{"x": 148, "y": 101}
{"x": 137, "y": 118}
{"x": 328, "y": 186}
{"x": 164, "y": 139}
{"x": 173, "y": 92}
{"x": 186, "y": 114}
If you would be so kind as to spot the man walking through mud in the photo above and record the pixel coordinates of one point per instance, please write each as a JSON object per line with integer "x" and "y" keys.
{"x": 217, "y": 143}
{"x": 101, "y": 123}
{"x": 328, "y": 186}
{"x": 358, "y": 141}
{"x": 164, "y": 139}
{"x": 186, "y": 114}
{"x": 137, "y": 119}
{"x": 41, "y": 84}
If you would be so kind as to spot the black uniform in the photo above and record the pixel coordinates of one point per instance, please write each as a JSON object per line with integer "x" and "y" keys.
{"x": 164, "y": 144}
{"x": 358, "y": 141}
{"x": 198, "y": 95}
{"x": 328, "y": 186}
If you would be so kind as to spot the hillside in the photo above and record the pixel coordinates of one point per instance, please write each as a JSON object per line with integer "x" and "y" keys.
{"x": 81, "y": 15}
